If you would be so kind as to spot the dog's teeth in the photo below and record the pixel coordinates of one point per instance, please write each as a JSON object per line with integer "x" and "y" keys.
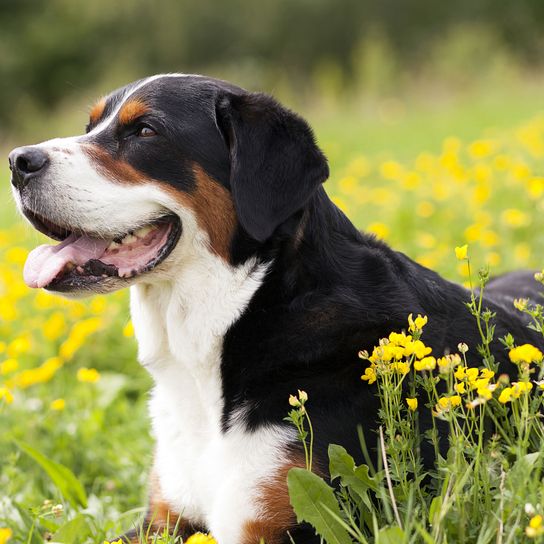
{"x": 114, "y": 245}
{"x": 129, "y": 239}
{"x": 80, "y": 269}
{"x": 69, "y": 267}
{"x": 143, "y": 232}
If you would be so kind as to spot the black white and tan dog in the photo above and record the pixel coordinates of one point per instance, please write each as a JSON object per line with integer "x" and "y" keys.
{"x": 247, "y": 284}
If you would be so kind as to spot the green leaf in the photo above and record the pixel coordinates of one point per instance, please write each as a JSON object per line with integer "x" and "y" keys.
{"x": 356, "y": 479}
{"x": 309, "y": 496}
{"x": 436, "y": 506}
{"x": 63, "y": 478}
{"x": 73, "y": 531}
{"x": 390, "y": 535}
{"x": 427, "y": 538}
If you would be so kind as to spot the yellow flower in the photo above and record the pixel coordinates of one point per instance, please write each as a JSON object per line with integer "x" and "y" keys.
{"x": 200, "y": 538}
{"x": 9, "y": 365}
{"x": 19, "y": 346}
{"x": 16, "y": 255}
{"x": 55, "y": 326}
{"x": 380, "y": 230}
{"x": 460, "y": 373}
{"x": 447, "y": 363}
{"x": 412, "y": 403}
{"x": 481, "y": 148}
{"x": 369, "y": 375}
{"x": 486, "y": 391}
{"x": 445, "y": 404}
{"x": 460, "y": 388}
{"x": 535, "y": 527}
{"x": 515, "y": 218}
{"x": 58, "y": 405}
{"x": 5, "y": 395}
{"x": 88, "y": 375}
{"x": 119, "y": 541}
{"x": 525, "y": 354}
{"x": 400, "y": 367}
{"x": 518, "y": 388}
{"x": 416, "y": 324}
{"x": 427, "y": 363}
{"x": 486, "y": 374}
{"x": 461, "y": 252}
{"x": 419, "y": 349}
{"x": 303, "y": 396}
{"x": 293, "y": 401}
{"x": 399, "y": 339}
{"x": 472, "y": 375}
{"x": 5, "y": 535}
{"x": 128, "y": 330}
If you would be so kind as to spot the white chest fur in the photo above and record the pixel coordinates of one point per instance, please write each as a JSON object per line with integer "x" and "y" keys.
{"x": 205, "y": 475}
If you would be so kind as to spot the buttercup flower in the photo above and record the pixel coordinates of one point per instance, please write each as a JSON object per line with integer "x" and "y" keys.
{"x": 58, "y": 405}
{"x": 461, "y": 252}
{"x": 412, "y": 403}
{"x": 5, "y": 534}
{"x": 88, "y": 375}
{"x": 6, "y": 395}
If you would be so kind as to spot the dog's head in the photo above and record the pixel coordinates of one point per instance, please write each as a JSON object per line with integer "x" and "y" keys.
{"x": 166, "y": 162}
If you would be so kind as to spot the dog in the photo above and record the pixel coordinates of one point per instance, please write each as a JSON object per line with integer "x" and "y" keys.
{"x": 247, "y": 283}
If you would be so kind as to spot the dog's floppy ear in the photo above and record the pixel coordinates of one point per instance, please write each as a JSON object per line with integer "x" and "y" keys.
{"x": 276, "y": 165}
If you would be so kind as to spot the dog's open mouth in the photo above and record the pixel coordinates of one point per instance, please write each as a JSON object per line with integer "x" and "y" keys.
{"x": 84, "y": 259}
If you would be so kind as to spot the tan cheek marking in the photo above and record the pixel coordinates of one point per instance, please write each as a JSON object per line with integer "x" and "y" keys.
{"x": 115, "y": 170}
{"x": 213, "y": 207}
{"x": 97, "y": 110}
{"x": 277, "y": 513}
{"x": 215, "y": 211}
{"x": 132, "y": 110}
{"x": 210, "y": 201}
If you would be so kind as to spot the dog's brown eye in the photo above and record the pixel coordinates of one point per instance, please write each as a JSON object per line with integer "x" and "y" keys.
{"x": 146, "y": 132}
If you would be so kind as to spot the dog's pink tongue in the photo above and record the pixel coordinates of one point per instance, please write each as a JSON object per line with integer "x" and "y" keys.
{"x": 44, "y": 263}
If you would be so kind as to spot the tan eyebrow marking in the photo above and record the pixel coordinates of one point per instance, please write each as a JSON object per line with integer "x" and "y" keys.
{"x": 97, "y": 110}
{"x": 132, "y": 110}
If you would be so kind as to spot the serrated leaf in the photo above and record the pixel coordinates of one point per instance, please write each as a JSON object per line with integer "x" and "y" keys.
{"x": 309, "y": 496}
{"x": 63, "y": 478}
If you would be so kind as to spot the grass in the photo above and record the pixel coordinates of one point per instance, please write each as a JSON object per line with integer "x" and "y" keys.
{"x": 426, "y": 176}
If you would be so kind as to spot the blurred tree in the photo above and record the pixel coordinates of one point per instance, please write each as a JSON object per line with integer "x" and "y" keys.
{"x": 50, "y": 49}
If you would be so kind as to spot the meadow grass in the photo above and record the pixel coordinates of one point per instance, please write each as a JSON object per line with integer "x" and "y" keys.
{"x": 425, "y": 183}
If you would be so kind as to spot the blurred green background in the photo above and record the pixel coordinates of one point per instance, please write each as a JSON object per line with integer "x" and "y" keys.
{"x": 372, "y": 63}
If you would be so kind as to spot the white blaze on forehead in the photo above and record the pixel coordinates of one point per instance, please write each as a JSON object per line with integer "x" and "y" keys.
{"x": 127, "y": 94}
{"x": 113, "y": 115}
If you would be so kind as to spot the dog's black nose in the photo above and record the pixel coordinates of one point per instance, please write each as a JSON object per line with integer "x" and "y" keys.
{"x": 26, "y": 163}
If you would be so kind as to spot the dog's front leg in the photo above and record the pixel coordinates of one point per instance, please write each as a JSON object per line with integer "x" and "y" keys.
{"x": 160, "y": 519}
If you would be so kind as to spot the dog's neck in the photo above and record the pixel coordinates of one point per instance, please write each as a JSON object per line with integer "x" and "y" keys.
{"x": 181, "y": 321}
